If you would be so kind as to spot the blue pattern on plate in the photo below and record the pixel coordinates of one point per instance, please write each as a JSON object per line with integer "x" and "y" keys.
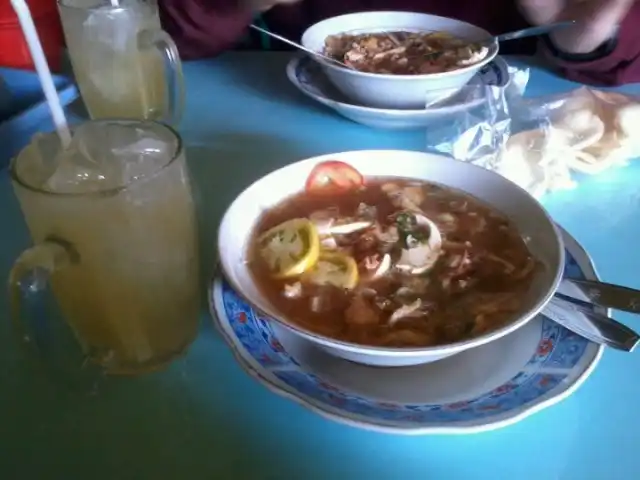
{"x": 571, "y": 351}
{"x": 558, "y": 349}
{"x": 310, "y": 75}
{"x": 511, "y": 395}
{"x": 254, "y": 332}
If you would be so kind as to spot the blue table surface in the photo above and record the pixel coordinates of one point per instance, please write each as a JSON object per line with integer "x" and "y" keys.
{"x": 205, "y": 418}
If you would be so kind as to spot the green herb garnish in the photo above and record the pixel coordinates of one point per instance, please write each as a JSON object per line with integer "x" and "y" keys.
{"x": 406, "y": 222}
{"x": 408, "y": 227}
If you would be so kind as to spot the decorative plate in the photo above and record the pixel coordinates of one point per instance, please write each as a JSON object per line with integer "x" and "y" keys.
{"x": 481, "y": 389}
{"x": 308, "y": 77}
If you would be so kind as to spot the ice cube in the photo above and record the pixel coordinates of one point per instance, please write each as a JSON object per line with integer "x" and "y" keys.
{"x": 114, "y": 28}
{"x": 133, "y": 151}
{"x": 75, "y": 171}
{"x": 36, "y": 162}
{"x": 107, "y": 155}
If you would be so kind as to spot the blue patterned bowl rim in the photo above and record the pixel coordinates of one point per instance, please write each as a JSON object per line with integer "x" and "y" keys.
{"x": 560, "y": 364}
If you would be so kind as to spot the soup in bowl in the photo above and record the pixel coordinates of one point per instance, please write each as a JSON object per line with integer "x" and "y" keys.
{"x": 391, "y": 258}
{"x": 404, "y": 52}
{"x": 399, "y": 60}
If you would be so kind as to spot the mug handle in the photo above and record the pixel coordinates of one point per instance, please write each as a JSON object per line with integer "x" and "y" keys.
{"x": 28, "y": 277}
{"x": 174, "y": 79}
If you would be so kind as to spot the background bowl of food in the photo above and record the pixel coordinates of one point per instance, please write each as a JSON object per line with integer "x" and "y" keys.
{"x": 391, "y": 258}
{"x": 390, "y": 60}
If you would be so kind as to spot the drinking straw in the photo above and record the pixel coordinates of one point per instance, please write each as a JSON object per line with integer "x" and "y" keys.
{"x": 40, "y": 62}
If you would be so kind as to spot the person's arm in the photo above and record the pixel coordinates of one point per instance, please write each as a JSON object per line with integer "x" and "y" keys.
{"x": 203, "y": 28}
{"x": 615, "y": 62}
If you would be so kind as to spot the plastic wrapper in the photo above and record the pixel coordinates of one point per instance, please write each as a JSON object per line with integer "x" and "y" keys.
{"x": 540, "y": 143}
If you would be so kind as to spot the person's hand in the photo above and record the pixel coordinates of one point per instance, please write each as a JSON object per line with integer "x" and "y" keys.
{"x": 596, "y": 20}
{"x": 264, "y": 5}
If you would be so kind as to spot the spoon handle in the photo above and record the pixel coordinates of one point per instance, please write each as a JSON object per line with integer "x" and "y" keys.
{"x": 591, "y": 325}
{"x": 533, "y": 31}
{"x": 297, "y": 45}
{"x": 505, "y": 37}
{"x": 279, "y": 37}
{"x": 608, "y": 295}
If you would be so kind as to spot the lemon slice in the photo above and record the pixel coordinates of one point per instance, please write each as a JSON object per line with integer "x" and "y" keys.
{"x": 290, "y": 248}
{"x": 334, "y": 268}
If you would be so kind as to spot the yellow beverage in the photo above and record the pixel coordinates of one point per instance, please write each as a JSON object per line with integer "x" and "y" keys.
{"x": 129, "y": 86}
{"x": 130, "y": 291}
{"x": 124, "y": 64}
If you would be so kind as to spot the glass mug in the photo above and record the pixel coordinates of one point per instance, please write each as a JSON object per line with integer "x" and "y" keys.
{"x": 125, "y": 65}
{"x": 117, "y": 243}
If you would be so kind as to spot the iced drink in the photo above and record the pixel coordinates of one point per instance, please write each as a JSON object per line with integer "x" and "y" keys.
{"x": 124, "y": 64}
{"x": 115, "y": 216}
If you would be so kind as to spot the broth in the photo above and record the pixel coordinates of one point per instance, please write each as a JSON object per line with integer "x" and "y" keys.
{"x": 404, "y": 53}
{"x": 432, "y": 265}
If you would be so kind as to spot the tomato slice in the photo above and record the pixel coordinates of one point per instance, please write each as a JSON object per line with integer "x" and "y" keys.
{"x": 333, "y": 176}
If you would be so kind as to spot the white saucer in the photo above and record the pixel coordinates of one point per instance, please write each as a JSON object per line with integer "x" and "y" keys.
{"x": 307, "y": 76}
{"x": 481, "y": 389}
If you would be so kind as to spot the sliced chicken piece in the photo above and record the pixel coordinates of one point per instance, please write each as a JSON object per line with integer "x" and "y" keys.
{"x": 446, "y": 222}
{"x": 327, "y": 297}
{"x": 350, "y": 227}
{"x": 324, "y": 219}
{"x": 407, "y": 198}
{"x": 360, "y": 312}
{"x": 455, "y": 246}
{"x": 414, "y": 194}
{"x": 388, "y": 237}
{"x": 329, "y": 222}
{"x": 412, "y": 310}
{"x": 376, "y": 266}
{"x": 293, "y": 290}
{"x": 460, "y": 263}
{"x": 328, "y": 225}
{"x": 366, "y": 212}
{"x": 366, "y": 243}
{"x": 418, "y": 284}
{"x": 328, "y": 243}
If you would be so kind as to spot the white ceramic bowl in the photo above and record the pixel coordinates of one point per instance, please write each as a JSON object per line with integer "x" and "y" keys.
{"x": 394, "y": 91}
{"x": 307, "y": 76}
{"x": 531, "y": 219}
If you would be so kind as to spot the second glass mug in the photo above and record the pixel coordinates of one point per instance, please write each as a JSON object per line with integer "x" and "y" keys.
{"x": 122, "y": 261}
{"x": 125, "y": 65}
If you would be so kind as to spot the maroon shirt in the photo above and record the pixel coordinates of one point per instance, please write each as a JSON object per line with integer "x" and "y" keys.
{"x": 203, "y": 28}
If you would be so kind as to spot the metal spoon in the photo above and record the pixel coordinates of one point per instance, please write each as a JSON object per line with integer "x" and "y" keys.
{"x": 593, "y": 326}
{"x": 606, "y": 295}
{"x": 299, "y": 47}
{"x": 532, "y": 31}
{"x": 505, "y": 37}
{"x": 516, "y": 35}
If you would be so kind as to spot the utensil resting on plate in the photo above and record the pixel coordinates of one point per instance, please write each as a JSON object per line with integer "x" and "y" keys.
{"x": 603, "y": 329}
{"x": 608, "y": 295}
{"x": 598, "y": 328}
